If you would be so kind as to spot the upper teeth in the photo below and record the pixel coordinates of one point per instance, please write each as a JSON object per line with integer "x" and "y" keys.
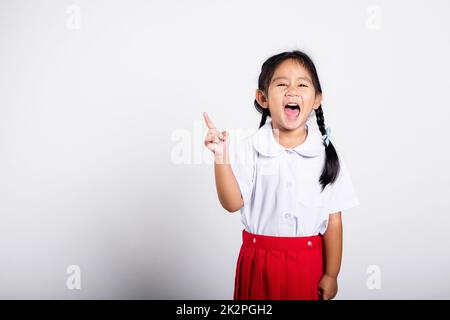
{"x": 292, "y": 104}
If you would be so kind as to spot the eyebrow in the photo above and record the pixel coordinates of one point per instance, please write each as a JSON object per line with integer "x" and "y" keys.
{"x": 278, "y": 78}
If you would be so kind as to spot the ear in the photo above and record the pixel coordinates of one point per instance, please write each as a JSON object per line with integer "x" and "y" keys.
{"x": 317, "y": 101}
{"x": 261, "y": 98}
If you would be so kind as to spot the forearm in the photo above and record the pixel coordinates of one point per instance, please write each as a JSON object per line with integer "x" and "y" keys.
{"x": 227, "y": 187}
{"x": 332, "y": 240}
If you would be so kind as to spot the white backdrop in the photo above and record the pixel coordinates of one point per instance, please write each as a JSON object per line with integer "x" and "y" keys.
{"x": 102, "y": 163}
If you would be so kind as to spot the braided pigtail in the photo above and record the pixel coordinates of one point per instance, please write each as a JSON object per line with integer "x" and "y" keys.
{"x": 331, "y": 165}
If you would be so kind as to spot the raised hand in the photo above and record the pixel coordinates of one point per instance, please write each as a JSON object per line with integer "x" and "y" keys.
{"x": 215, "y": 140}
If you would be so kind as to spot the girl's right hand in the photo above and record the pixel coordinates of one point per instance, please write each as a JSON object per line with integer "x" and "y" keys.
{"x": 215, "y": 140}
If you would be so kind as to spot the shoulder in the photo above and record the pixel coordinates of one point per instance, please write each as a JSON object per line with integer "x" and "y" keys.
{"x": 241, "y": 148}
{"x": 343, "y": 168}
{"x": 343, "y": 193}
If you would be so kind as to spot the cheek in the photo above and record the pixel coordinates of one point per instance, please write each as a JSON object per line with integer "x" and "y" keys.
{"x": 275, "y": 99}
{"x": 308, "y": 98}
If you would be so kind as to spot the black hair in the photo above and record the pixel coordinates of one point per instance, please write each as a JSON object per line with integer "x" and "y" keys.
{"x": 331, "y": 166}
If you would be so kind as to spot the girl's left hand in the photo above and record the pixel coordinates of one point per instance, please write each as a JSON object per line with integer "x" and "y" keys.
{"x": 327, "y": 287}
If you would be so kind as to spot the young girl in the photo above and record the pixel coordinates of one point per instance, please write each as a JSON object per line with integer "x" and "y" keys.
{"x": 290, "y": 184}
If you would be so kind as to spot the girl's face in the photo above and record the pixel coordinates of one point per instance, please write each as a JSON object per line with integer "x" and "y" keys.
{"x": 291, "y": 83}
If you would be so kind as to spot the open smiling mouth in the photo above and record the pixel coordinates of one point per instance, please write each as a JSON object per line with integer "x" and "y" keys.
{"x": 292, "y": 110}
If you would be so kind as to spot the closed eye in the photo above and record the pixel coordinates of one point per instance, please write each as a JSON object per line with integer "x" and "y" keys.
{"x": 300, "y": 85}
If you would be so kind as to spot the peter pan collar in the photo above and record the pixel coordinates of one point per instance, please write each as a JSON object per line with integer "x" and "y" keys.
{"x": 264, "y": 142}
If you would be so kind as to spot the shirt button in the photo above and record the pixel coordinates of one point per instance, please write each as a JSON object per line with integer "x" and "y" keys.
{"x": 309, "y": 243}
{"x": 254, "y": 240}
{"x": 287, "y": 215}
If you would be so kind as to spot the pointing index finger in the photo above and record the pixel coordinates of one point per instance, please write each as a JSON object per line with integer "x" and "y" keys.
{"x": 208, "y": 121}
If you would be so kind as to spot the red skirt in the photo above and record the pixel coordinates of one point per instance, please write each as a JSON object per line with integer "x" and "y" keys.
{"x": 278, "y": 268}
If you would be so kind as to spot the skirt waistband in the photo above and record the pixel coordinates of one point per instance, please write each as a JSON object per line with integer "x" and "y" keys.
{"x": 281, "y": 243}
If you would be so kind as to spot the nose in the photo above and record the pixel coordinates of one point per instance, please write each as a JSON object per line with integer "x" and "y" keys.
{"x": 292, "y": 91}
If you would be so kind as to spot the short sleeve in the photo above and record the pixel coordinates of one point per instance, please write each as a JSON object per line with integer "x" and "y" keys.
{"x": 343, "y": 195}
{"x": 242, "y": 161}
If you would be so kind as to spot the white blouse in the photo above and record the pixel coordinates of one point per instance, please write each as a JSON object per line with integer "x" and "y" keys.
{"x": 280, "y": 186}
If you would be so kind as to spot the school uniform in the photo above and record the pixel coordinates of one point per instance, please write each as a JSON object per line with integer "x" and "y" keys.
{"x": 285, "y": 213}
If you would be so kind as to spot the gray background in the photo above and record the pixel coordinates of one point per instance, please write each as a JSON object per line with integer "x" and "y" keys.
{"x": 90, "y": 116}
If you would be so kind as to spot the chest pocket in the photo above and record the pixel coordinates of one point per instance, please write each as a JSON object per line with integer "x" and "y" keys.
{"x": 311, "y": 198}
{"x": 268, "y": 169}
{"x": 310, "y": 194}
{"x": 268, "y": 166}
